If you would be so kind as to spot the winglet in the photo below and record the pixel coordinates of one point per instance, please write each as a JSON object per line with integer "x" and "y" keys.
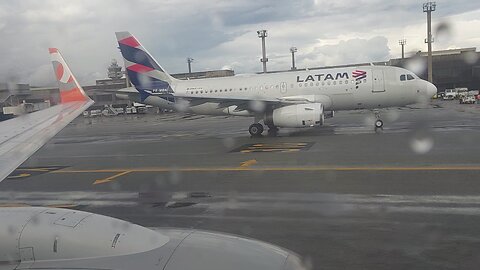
{"x": 70, "y": 90}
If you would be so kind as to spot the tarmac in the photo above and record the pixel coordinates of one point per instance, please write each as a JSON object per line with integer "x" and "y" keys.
{"x": 342, "y": 196}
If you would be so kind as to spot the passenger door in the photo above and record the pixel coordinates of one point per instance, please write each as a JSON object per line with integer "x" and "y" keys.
{"x": 378, "y": 80}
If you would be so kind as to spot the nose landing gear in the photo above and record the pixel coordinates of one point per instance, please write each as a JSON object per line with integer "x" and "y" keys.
{"x": 378, "y": 121}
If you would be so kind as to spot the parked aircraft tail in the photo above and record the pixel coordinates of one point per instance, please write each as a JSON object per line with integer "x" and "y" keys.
{"x": 144, "y": 72}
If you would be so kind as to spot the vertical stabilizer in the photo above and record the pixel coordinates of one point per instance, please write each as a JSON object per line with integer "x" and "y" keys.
{"x": 143, "y": 71}
{"x": 70, "y": 90}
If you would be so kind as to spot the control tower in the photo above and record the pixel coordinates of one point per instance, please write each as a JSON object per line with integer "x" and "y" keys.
{"x": 115, "y": 71}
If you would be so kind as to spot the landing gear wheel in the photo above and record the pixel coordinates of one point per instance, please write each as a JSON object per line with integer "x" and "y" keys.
{"x": 378, "y": 124}
{"x": 256, "y": 129}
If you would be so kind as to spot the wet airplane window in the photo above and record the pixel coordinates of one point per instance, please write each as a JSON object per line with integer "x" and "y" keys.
{"x": 383, "y": 178}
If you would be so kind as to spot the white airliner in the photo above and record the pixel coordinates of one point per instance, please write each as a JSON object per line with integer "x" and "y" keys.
{"x": 286, "y": 99}
{"x": 52, "y": 238}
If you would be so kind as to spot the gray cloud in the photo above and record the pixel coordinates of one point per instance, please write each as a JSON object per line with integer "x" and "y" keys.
{"x": 216, "y": 33}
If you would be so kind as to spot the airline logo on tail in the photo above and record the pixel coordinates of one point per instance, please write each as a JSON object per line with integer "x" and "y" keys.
{"x": 143, "y": 71}
{"x": 69, "y": 88}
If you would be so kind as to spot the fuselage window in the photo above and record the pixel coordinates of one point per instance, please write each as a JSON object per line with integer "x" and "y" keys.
{"x": 328, "y": 82}
{"x": 317, "y": 84}
{"x": 306, "y": 84}
{"x": 402, "y": 77}
{"x": 364, "y": 80}
{"x": 323, "y": 83}
{"x": 276, "y": 86}
{"x": 340, "y": 82}
{"x": 211, "y": 91}
{"x": 346, "y": 81}
{"x": 230, "y": 89}
{"x": 311, "y": 84}
{"x": 299, "y": 85}
{"x": 196, "y": 92}
{"x": 334, "y": 82}
{"x": 410, "y": 77}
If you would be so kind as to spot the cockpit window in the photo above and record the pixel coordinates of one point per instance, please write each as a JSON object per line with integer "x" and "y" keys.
{"x": 405, "y": 77}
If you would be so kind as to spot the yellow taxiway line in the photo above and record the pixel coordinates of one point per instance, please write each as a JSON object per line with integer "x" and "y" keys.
{"x": 111, "y": 178}
{"x": 124, "y": 171}
{"x": 246, "y": 166}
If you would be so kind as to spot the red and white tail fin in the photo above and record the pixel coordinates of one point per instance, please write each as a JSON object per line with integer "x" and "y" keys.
{"x": 70, "y": 90}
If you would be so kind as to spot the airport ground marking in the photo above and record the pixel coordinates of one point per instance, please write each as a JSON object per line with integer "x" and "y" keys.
{"x": 248, "y": 163}
{"x": 111, "y": 178}
{"x": 120, "y": 172}
{"x": 22, "y": 175}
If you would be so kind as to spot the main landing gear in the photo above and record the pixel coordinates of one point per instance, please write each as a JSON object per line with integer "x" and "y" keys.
{"x": 256, "y": 129}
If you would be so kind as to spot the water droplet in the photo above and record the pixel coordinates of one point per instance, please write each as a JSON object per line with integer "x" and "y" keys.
{"x": 416, "y": 64}
{"x": 257, "y": 106}
{"x": 470, "y": 57}
{"x": 443, "y": 33}
{"x": 421, "y": 144}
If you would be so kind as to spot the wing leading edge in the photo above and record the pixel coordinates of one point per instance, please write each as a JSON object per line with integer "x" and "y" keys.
{"x": 24, "y": 135}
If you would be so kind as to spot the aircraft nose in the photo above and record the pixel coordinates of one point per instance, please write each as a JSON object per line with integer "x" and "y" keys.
{"x": 431, "y": 89}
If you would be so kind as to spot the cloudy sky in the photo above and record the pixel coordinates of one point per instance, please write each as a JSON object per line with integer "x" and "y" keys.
{"x": 221, "y": 34}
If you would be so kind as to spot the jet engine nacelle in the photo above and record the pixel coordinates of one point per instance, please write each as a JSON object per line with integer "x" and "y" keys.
{"x": 294, "y": 116}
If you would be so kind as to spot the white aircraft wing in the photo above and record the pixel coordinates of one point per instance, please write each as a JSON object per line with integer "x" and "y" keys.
{"x": 22, "y": 136}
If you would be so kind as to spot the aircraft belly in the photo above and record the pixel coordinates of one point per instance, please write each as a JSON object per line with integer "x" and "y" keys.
{"x": 343, "y": 101}
{"x": 208, "y": 109}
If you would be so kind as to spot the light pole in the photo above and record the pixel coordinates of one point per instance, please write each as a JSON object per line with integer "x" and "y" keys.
{"x": 402, "y": 43}
{"x": 428, "y": 8}
{"x": 263, "y": 34}
{"x": 293, "y": 50}
{"x": 189, "y": 61}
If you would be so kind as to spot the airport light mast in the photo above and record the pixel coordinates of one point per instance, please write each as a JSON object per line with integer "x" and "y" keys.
{"x": 189, "y": 61}
{"x": 429, "y": 7}
{"x": 293, "y": 50}
{"x": 402, "y": 43}
{"x": 263, "y": 34}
